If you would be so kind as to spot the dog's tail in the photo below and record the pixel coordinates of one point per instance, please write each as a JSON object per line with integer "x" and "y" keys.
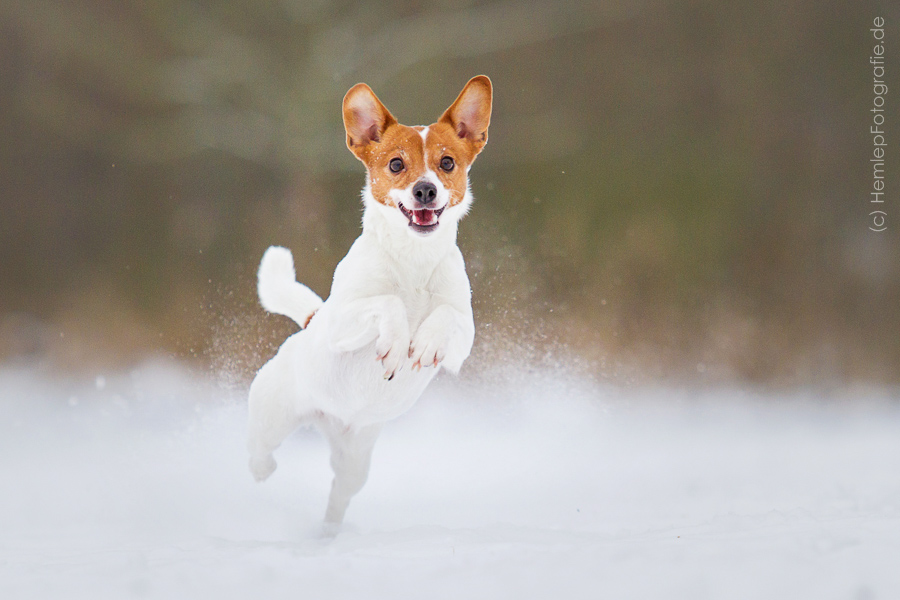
{"x": 279, "y": 290}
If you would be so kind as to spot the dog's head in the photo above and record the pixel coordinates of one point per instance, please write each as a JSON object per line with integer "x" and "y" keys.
{"x": 419, "y": 174}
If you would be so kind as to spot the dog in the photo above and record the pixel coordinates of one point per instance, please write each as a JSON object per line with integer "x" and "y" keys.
{"x": 400, "y": 307}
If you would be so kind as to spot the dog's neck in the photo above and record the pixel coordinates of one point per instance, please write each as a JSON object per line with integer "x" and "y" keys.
{"x": 402, "y": 246}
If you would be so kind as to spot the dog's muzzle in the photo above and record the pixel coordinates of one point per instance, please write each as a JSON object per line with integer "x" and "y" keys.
{"x": 423, "y": 218}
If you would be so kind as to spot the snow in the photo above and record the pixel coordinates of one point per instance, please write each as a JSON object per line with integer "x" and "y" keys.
{"x": 134, "y": 485}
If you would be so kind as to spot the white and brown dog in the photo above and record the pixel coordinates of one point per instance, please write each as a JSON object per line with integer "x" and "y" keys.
{"x": 400, "y": 306}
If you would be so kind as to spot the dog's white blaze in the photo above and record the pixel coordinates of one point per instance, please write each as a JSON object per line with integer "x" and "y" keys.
{"x": 405, "y": 196}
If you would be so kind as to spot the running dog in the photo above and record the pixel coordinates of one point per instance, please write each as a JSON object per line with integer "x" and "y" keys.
{"x": 400, "y": 307}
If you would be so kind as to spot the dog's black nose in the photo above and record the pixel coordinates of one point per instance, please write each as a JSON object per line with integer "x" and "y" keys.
{"x": 425, "y": 192}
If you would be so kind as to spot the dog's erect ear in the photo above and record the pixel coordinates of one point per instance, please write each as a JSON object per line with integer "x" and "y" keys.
{"x": 470, "y": 114}
{"x": 365, "y": 118}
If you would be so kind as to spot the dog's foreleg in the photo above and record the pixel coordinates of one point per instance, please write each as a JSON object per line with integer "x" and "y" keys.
{"x": 351, "y": 454}
{"x": 381, "y": 319}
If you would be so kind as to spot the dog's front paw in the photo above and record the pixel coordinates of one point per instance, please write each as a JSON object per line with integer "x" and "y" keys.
{"x": 429, "y": 346}
{"x": 391, "y": 353}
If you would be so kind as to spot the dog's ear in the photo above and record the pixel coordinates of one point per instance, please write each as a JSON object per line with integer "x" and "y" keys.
{"x": 470, "y": 114}
{"x": 365, "y": 118}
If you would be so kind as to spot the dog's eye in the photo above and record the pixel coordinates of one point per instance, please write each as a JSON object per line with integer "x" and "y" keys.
{"x": 447, "y": 163}
{"x": 396, "y": 165}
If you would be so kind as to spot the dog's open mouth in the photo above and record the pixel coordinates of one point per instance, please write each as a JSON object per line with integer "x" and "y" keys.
{"x": 424, "y": 220}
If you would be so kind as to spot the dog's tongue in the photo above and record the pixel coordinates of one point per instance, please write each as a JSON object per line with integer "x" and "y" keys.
{"x": 424, "y": 217}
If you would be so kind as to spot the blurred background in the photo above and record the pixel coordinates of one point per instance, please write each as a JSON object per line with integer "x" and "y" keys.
{"x": 673, "y": 192}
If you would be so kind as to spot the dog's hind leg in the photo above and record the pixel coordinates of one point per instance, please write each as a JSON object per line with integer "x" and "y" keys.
{"x": 351, "y": 454}
{"x": 272, "y": 417}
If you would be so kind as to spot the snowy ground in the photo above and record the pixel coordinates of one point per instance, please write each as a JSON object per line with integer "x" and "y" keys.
{"x": 135, "y": 486}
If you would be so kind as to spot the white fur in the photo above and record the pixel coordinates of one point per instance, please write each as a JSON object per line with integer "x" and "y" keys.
{"x": 399, "y": 310}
